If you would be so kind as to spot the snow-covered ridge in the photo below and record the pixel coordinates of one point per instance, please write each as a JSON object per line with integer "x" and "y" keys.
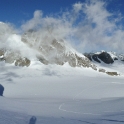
{"x": 110, "y": 61}
{"x": 32, "y": 45}
{"x": 53, "y": 50}
{"x": 105, "y": 57}
{"x": 40, "y": 46}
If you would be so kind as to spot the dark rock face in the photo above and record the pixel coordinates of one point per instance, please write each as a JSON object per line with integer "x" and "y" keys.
{"x": 115, "y": 58}
{"x": 95, "y": 57}
{"x": 88, "y": 55}
{"x": 1, "y": 90}
{"x": 104, "y": 56}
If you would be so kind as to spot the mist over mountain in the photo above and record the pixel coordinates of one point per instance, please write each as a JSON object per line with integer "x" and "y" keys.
{"x": 62, "y": 38}
{"x": 33, "y": 45}
{"x": 87, "y": 26}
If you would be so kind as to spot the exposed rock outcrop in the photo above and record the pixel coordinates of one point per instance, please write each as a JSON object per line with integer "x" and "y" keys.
{"x": 95, "y": 57}
{"x": 102, "y": 70}
{"x": 105, "y": 57}
{"x": 112, "y": 73}
{"x": 22, "y": 62}
{"x": 14, "y": 57}
{"x": 98, "y": 57}
{"x": 55, "y": 51}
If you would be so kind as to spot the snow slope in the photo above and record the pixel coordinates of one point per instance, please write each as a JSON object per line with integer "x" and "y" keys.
{"x": 116, "y": 66}
{"x": 60, "y": 94}
{"x": 53, "y": 93}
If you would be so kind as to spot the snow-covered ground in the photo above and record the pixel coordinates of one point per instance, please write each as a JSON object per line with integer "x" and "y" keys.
{"x": 60, "y": 95}
{"x": 117, "y": 66}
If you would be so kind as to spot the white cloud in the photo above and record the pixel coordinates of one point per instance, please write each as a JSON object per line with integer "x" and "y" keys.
{"x": 5, "y": 31}
{"x": 96, "y": 30}
{"x": 77, "y": 7}
{"x": 50, "y": 26}
{"x": 87, "y": 26}
{"x": 38, "y": 14}
{"x": 34, "y": 22}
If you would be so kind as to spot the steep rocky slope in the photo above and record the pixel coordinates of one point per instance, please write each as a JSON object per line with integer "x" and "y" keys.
{"x": 14, "y": 57}
{"x": 54, "y": 51}
{"x": 106, "y": 57}
{"x": 47, "y": 49}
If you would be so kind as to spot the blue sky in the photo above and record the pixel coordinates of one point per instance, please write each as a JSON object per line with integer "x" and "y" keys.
{"x": 88, "y": 25}
{"x": 17, "y": 11}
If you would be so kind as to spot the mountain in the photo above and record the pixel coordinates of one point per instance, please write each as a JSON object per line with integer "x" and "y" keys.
{"x": 105, "y": 57}
{"x": 104, "y": 60}
{"x": 54, "y": 51}
{"x": 46, "y": 49}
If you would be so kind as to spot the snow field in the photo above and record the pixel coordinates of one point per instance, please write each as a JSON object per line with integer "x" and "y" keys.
{"x": 60, "y": 95}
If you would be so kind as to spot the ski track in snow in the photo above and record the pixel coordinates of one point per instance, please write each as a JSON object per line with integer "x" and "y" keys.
{"x": 60, "y": 108}
{"x": 18, "y": 118}
{"x": 7, "y": 117}
{"x": 74, "y": 99}
{"x": 93, "y": 114}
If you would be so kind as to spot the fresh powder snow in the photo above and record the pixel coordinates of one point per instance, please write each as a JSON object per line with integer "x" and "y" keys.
{"x": 60, "y": 94}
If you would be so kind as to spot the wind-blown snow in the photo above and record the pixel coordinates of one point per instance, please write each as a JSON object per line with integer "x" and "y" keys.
{"x": 14, "y": 43}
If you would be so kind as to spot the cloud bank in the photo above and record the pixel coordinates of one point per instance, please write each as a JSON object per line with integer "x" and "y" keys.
{"x": 87, "y": 26}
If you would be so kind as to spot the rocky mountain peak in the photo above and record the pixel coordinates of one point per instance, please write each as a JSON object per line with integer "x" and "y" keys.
{"x": 55, "y": 51}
